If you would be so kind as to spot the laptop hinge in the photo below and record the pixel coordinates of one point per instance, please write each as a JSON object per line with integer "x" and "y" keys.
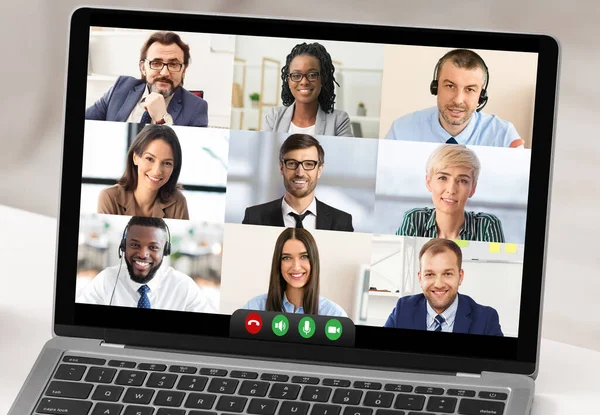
{"x": 117, "y": 346}
{"x": 469, "y": 375}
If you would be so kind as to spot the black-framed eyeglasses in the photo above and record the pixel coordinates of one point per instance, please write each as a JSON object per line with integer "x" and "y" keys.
{"x": 310, "y": 76}
{"x": 292, "y": 164}
{"x": 159, "y": 65}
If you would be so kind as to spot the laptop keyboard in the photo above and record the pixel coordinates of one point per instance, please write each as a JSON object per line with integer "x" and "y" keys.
{"x": 93, "y": 386}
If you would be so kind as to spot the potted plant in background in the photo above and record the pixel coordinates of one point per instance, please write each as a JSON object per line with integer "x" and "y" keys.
{"x": 361, "y": 110}
{"x": 254, "y": 97}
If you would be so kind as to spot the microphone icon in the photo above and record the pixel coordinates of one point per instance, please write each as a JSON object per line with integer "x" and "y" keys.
{"x": 306, "y": 328}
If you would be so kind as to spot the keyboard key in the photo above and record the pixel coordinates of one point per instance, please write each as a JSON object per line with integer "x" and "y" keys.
{"x": 389, "y": 412}
{"x": 444, "y": 404}
{"x": 102, "y": 408}
{"x": 122, "y": 364}
{"x": 394, "y": 387}
{"x": 192, "y": 383}
{"x": 63, "y": 406}
{"x": 201, "y": 413}
{"x": 138, "y": 410}
{"x": 169, "y": 398}
{"x": 428, "y": 390}
{"x": 355, "y": 410}
{"x": 476, "y": 407}
{"x": 130, "y": 378}
{"x": 200, "y": 401}
{"x": 324, "y": 409}
{"x": 69, "y": 389}
{"x": 274, "y": 377}
{"x": 420, "y": 413}
{"x": 161, "y": 380}
{"x": 139, "y": 396}
{"x": 253, "y": 388}
{"x": 231, "y": 403}
{"x": 367, "y": 385}
{"x": 284, "y": 391}
{"x": 262, "y": 406}
{"x": 316, "y": 393}
{"x": 305, "y": 379}
{"x": 170, "y": 411}
{"x": 461, "y": 392}
{"x": 347, "y": 396}
{"x": 342, "y": 383}
{"x": 100, "y": 375}
{"x": 190, "y": 370}
{"x": 84, "y": 360}
{"x": 493, "y": 395}
{"x": 107, "y": 393}
{"x": 404, "y": 401}
{"x": 213, "y": 372}
{"x": 227, "y": 386}
{"x": 379, "y": 399}
{"x": 69, "y": 372}
{"x": 293, "y": 408}
{"x": 152, "y": 367}
{"x": 243, "y": 374}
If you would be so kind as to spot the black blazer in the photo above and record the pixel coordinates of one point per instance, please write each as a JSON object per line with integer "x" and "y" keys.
{"x": 269, "y": 214}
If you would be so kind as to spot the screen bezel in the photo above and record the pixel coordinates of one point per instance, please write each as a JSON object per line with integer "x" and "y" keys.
{"x": 374, "y": 346}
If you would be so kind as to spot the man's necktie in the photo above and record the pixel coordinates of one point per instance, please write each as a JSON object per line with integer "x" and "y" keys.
{"x": 299, "y": 218}
{"x": 146, "y": 119}
{"x": 144, "y": 301}
{"x": 451, "y": 140}
{"x": 439, "y": 320}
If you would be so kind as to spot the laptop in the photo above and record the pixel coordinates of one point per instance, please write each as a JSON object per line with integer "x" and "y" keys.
{"x": 243, "y": 253}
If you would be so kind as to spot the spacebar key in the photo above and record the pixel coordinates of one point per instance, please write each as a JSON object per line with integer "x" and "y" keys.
{"x": 476, "y": 407}
{"x": 63, "y": 406}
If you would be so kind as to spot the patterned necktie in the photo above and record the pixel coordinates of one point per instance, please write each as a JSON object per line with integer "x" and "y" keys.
{"x": 299, "y": 218}
{"x": 439, "y": 320}
{"x": 144, "y": 301}
{"x": 146, "y": 119}
{"x": 451, "y": 140}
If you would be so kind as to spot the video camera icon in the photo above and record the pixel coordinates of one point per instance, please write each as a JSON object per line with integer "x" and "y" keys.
{"x": 333, "y": 329}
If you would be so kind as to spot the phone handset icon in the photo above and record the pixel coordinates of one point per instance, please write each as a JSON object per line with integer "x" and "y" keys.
{"x": 253, "y": 323}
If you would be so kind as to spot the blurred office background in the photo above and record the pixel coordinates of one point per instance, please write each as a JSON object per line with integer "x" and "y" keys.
{"x": 35, "y": 33}
{"x": 501, "y": 188}
{"x": 347, "y": 181}
{"x": 203, "y": 168}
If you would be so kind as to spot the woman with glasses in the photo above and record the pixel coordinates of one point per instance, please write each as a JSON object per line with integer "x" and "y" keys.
{"x": 294, "y": 281}
{"x": 149, "y": 186}
{"x": 308, "y": 95}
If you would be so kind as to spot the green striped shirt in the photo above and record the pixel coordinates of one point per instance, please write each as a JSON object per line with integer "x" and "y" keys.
{"x": 477, "y": 227}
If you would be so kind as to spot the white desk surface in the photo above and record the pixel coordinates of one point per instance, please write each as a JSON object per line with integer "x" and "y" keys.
{"x": 567, "y": 383}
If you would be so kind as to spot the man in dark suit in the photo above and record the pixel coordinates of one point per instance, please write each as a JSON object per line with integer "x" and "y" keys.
{"x": 441, "y": 307}
{"x": 301, "y": 160}
{"x": 158, "y": 97}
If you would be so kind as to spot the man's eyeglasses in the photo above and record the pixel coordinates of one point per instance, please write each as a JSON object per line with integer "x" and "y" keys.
{"x": 297, "y": 76}
{"x": 159, "y": 65}
{"x": 292, "y": 164}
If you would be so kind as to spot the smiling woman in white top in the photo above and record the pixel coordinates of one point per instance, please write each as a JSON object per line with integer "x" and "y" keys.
{"x": 308, "y": 95}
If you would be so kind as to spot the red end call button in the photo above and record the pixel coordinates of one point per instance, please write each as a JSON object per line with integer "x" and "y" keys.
{"x": 253, "y": 323}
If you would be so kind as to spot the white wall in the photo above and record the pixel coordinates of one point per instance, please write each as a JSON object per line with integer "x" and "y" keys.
{"x": 249, "y": 251}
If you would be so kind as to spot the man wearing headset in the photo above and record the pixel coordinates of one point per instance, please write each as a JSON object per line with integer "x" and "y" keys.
{"x": 460, "y": 83}
{"x": 147, "y": 282}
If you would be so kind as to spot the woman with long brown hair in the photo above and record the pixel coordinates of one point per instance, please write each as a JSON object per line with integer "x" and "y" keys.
{"x": 294, "y": 282}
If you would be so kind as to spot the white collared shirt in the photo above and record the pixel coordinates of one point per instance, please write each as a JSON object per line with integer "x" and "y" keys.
{"x": 310, "y": 220}
{"x": 449, "y": 315}
{"x": 138, "y": 110}
{"x": 294, "y": 129}
{"x": 169, "y": 290}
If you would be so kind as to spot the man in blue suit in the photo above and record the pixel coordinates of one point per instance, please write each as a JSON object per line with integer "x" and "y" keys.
{"x": 441, "y": 307}
{"x": 158, "y": 97}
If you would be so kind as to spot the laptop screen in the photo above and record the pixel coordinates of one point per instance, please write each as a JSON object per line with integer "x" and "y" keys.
{"x": 306, "y": 184}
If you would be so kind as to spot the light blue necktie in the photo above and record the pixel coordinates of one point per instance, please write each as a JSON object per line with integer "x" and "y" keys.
{"x": 144, "y": 301}
{"x": 439, "y": 319}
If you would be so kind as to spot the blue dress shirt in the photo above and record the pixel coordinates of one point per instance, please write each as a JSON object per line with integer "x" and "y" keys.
{"x": 449, "y": 314}
{"x": 326, "y": 307}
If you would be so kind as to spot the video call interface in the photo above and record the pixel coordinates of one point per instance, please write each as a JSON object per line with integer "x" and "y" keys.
{"x": 386, "y": 184}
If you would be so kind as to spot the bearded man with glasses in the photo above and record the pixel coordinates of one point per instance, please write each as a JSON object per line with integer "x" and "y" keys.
{"x": 301, "y": 160}
{"x": 158, "y": 97}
